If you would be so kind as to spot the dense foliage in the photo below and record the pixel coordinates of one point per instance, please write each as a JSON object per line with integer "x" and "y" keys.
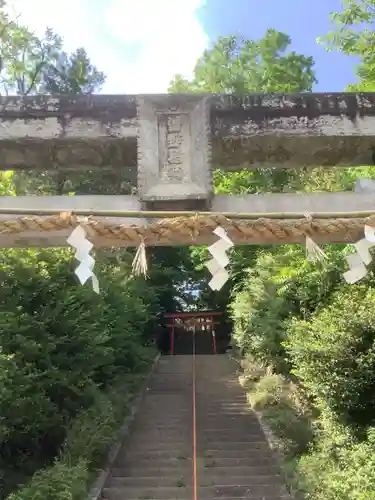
{"x": 60, "y": 346}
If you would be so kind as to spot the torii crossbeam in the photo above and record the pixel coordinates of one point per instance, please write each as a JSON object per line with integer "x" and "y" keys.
{"x": 173, "y": 141}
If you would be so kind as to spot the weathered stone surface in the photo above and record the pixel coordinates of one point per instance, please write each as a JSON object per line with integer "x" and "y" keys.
{"x": 293, "y": 130}
{"x": 74, "y": 154}
{"x": 272, "y": 130}
{"x": 46, "y": 133}
{"x": 174, "y": 151}
{"x": 252, "y": 203}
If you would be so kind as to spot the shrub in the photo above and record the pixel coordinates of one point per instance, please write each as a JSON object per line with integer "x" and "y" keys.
{"x": 60, "y": 482}
{"x": 258, "y": 316}
{"x": 93, "y": 431}
{"x": 59, "y": 345}
{"x": 340, "y": 473}
{"x": 334, "y": 355}
{"x": 282, "y": 284}
{"x": 88, "y": 440}
{"x": 285, "y": 411}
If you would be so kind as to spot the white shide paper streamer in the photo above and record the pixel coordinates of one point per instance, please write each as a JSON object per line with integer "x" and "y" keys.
{"x": 83, "y": 246}
{"x": 361, "y": 258}
{"x": 357, "y": 269}
{"x": 220, "y": 259}
{"x": 370, "y": 234}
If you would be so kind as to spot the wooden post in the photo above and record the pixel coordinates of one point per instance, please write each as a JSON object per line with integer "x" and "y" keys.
{"x": 213, "y": 335}
{"x": 172, "y": 340}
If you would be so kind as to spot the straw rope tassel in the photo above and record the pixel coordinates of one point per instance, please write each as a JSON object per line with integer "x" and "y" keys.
{"x": 313, "y": 251}
{"x": 139, "y": 265}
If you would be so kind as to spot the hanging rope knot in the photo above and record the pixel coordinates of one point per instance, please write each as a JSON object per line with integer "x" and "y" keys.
{"x": 73, "y": 220}
{"x": 69, "y": 218}
{"x": 194, "y": 226}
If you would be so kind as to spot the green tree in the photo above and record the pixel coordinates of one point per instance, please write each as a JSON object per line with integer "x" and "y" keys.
{"x": 24, "y": 56}
{"x": 71, "y": 74}
{"x": 353, "y": 34}
{"x": 239, "y": 66}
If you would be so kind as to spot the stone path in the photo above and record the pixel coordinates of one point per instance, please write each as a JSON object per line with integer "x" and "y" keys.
{"x": 233, "y": 458}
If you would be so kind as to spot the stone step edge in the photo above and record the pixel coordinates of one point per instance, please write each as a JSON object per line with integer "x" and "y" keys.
{"x": 96, "y": 491}
{"x": 148, "y": 472}
{"x": 272, "y": 491}
{"x": 272, "y": 497}
{"x": 184, "y": 480}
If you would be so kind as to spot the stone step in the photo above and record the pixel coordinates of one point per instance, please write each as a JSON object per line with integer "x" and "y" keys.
{"x": 271, "y": 492}
{"x": 185, "y": 480}
{"x": 140, "y": 461}
{"x": 144, "y": 493}
{"x": 140, "y": 444}
{"x": 234, "y": 477}
{"x": 175, "y": 470}
{"x": 162, "y": 420}
{"x": 227, "y": 418}
{"x": 166, "y": 437}
{"x": 250, "y": 434}
{"x": 217, "y": 400}
{"x": 152, "y": 455}
{"x": 159, "y": 417}
{"x": 225, "y": 405}
{"x": 153, "y": 414}
{"x": 231, "y": 425}
{"x": 171, "y": 430}
{"x": 182, "y": 481}
{"x": 234, "y": 460}
{"x": 228, "y": 429}
{"x": 254, "y": 465}
{"x": 234, "y": 491}
{"x": 235, "y": 436}
{"x": 225, "y": 414}
{"x": 256, "y": 455}
{"x": 163, "y": 443}
{"x": 177, "y": 467}
{"x": 246, "y": 444}
{"x": 252, "y": 497}
{"x": 176, "y": 409}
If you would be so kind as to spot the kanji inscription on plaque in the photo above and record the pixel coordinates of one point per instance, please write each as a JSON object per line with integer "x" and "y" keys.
{"x": 173, "y": 149}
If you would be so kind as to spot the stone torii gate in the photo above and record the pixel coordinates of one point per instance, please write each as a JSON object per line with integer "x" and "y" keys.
{"x": 173, "y": 141}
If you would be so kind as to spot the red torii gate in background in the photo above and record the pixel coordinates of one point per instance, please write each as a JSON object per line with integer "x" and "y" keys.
{"x": 201, "y": 319}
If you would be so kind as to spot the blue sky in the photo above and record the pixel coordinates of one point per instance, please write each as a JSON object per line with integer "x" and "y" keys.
{"x": 141, "y": 44}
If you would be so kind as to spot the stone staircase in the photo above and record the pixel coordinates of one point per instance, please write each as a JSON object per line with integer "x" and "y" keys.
{"x": 233, "y": 458}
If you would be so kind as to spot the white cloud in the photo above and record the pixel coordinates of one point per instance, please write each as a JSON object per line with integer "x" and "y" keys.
{"x": 139, "y": 44}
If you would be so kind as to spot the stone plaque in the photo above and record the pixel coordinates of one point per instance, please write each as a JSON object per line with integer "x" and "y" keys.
{"x": 174, "y": 151}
